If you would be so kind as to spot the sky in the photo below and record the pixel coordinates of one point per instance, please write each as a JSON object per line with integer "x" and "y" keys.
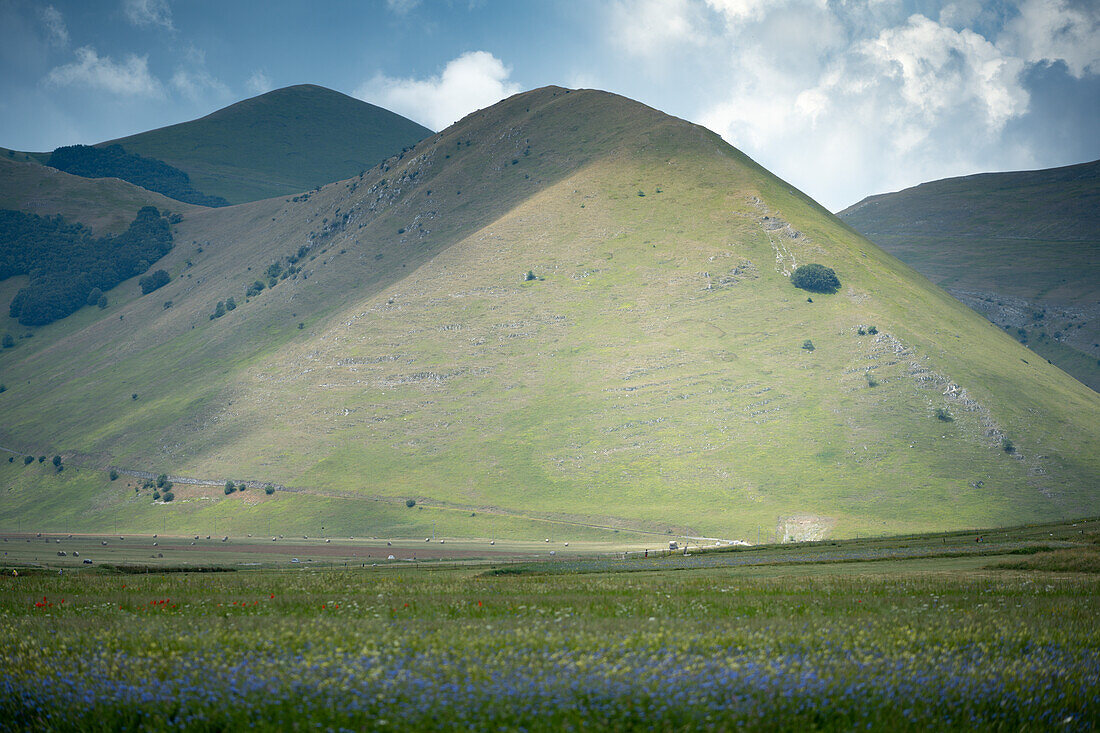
{"x": 841, "y": 98}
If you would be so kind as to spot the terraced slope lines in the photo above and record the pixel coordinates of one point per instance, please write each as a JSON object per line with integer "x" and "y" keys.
{"x": 567, "y": 315}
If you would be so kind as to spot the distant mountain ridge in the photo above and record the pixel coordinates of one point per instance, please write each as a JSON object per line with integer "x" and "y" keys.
{"x": 974, "y": 206}
{"x": 1022, "y": 248}
{"x": 282, "y": 142}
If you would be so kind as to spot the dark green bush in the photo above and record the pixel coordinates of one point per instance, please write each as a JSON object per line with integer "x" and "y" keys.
{"x": 153, "y": 281}
{"x": 943, "y": 415}
{"x": 816, "y": 278}
{"x": 410, "y": 503}
{"x": 114, "y": 475}
{"x": 112, "y": 161}
{"x": 808, "y": 345}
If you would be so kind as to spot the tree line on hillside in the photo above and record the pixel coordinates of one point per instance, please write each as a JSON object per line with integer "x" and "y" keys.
{"x": 68, "y": 266}
{"x": 113, "y": 161}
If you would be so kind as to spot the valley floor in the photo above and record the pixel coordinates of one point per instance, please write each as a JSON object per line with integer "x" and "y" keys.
{"x": 833, "y": 636}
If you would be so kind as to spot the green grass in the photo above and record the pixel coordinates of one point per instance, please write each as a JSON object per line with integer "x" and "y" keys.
{"x": 618, "y": 391}
{"x": 279, "y": 143}
{"x": 942, "y": 643}
{"x": 107, "y": 206}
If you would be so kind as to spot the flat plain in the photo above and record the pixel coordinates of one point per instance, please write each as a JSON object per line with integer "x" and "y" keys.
{"x": 969, "y": 630}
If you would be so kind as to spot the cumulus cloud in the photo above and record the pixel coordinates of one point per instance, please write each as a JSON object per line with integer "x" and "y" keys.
{"x": 143, "y": 13}
{"x": 194, "y": 81}
{"x": 845, "y": 98}
{"x": 56, "y": 29}
{"x": 1048, "y": 31}
{"x": 935, "y": 69}
{"x": 470, "y": 82}
{"x": 129, "y": 77}
{"x": 650, "y": 27}
{"x": 258, "y": 83}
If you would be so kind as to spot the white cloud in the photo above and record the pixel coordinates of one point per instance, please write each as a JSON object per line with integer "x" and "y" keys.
{"x": 960, "y": 14}
{"x": 402, "y": 7}
{"x": 937, "y": 70}
{"x": 741, "y": 10}
{"x": 851, "y": 97}
{"x": 55, "y": 25}
{"x": 128, "y": 78}
{"x": 144, "y": 13}
{"x": 470, "y": 82}
{"x": 648, "y": 28}
{"x": 194, "y": 81}
{"x": 259, "y": 83}
{"x": 1048, "y": 31}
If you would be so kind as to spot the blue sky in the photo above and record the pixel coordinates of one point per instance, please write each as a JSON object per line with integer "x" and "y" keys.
{"x": 842, "y": 98}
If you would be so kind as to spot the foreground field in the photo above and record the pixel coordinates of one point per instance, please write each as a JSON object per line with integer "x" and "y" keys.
{"x": 801, "y": 638}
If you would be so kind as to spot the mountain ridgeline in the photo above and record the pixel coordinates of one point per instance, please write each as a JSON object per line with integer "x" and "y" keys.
{"x": 566, "y": 315}
{"x": 1022, "y": 248}
{"x": 279, "y": 143}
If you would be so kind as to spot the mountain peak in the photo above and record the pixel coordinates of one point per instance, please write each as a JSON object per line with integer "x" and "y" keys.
{"x": 281, "y": 142}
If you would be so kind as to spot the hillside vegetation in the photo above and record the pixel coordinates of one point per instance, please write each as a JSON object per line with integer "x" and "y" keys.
{"x": 653, "y": 375}
{"x": 282, "y": 142}
{"x": 112, "y": 161}
{"x": 1021, "y": 248}
{"x": 104, "y": 205}
{"x": 67, "y": 267}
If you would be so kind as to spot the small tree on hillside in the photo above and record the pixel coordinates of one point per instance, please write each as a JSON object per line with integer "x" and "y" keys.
{"x": 155, "y": 280}
{"x": 816, "y": 278}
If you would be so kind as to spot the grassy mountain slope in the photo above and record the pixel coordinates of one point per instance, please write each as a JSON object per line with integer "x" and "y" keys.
{"x": 652, "y": 379}
{"x": 281, "y": 142}
{"x": 1021, "y": 248}
{"x": 105, "y": 205}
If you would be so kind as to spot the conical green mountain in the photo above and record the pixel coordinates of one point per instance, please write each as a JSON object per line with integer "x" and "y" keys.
{"x": 282, "y": 142}
{"x": 659, "y": 373}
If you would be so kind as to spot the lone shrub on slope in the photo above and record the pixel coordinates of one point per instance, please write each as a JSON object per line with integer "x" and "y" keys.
{"x": 816, "y": 278}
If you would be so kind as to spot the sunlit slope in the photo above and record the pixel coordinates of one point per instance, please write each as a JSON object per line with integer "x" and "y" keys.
{"x": 105, "y": 205}
{"x": 652, "y": 377}
{"x": 282, "y": 142}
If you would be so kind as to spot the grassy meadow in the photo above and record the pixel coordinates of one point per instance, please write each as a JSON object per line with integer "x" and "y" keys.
{"x": 908, "y": 633}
